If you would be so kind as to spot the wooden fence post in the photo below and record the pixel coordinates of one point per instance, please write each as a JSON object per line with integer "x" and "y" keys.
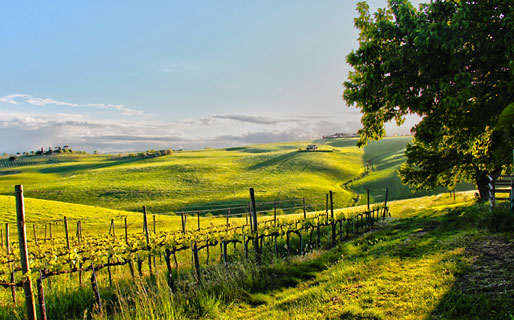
{"x": 225, "y": 257}
{"x": 184, "y": 217}
{"x": 112, "y": 227}
{"x": 41, "y": 295}
{"x": 319, "y": 238}
{"x": 304, "y": 210}
{"x": 78, "y": 232}
{"x": 126, "y": 230}
{"x": 24, "y": 254}
{"x": 198, "y": 215}
{"x": 333, "y": 220}
{"x": 145, "y": 223}
{"x": 385, "y": 202}
{"x": 326, "y": 205}
{"x": 197, "y": 263}
{"x": 66, "y": 231}
{"x": 94, "y": 286}
{"x": 35, "y": 235}
{"x": 275, "y": 213}
{"x": 167, "y": 256}
{"x": 255, "y": 226}
{"x": 288, "y": 244}
{"x": 367, "y": 190}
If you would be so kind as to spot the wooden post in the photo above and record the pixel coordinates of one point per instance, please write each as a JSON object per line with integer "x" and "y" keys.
{"x": 41, "y": 295}
{"x": 208, "y": 253}
{"x": 171, "y": 283}
{"x": 301, "y": 242}
{"x": 319, "y": 238}
{"x": 288, "y": 244}
{"x": 78, "y": 231}
{"x": 197, "y": 263}
{"x": 225, "y": 258}
{"x": 333, "y": 220}
{"x": 255, "y": 226}
{"x": 154, "y": 229}
{"x": 276, "y": 247}
{"x": 326, "y": 205}
{"x": 198, "y": 214}
{"x": 275, "y": 214}
{"x": 109, "y": 270}
{"x": 341, "y": 230}
{"x": 145, "y": 224}
{"x": 304, "y": 210}
{"x": 112, "y": 228}
{"x": 35, "y": 235}
{"x": 126, "y": 230}
{"x": 50, "y": 227}
{"x": 387, "y": 193}
{"x": 368, "y": 197}
{"x": 131, "y": 268}
{"x": 245, "y": 246}
{"x": 184, "y": 217}
{"x": 94, "y": 286}
{"x": 46, "y": 225}
{"x": 66, "y": 230}
{"x": 228, "y": 214}
{"x": 24, "y": 254}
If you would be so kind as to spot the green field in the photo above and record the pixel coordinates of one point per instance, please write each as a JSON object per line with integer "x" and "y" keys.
{"x": 206, "y": 179}
{"x": 424, "y": 262}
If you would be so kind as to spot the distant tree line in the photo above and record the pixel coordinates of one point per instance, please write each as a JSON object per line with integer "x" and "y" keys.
{"x": 66, "y": 149}
{"x": 152, "y": 153}
{"x": 42, "y": 151}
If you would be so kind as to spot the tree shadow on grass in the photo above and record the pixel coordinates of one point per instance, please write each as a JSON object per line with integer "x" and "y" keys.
{"x": 485, "y": 288}
{"x": 281, "y": 159}
{"x": 70, "y": 169}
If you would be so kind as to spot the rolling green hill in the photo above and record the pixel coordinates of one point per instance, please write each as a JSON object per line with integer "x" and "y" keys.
{"x": 191, "y": 180}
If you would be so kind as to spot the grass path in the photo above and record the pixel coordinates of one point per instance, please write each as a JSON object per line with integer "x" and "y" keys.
{"x": 431, "y": 262}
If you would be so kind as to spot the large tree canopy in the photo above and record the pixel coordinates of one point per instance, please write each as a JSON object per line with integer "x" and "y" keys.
{"x": 452, "y": 63}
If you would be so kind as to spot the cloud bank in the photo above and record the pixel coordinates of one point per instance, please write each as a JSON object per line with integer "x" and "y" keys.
{"x": 16, "y": 99}
{"x": 21, "y": 132}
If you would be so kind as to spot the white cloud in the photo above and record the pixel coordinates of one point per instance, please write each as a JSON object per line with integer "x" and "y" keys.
{"x": 253, "y": 119}
{"x": 41, "y": 102}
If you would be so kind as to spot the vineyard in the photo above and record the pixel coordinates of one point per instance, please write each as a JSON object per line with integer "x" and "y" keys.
{"x": 78, "y": 254}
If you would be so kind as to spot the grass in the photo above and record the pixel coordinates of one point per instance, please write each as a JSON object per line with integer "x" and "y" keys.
{"x": 203, "y": 179}
{"x": 418, "y": 266}
{"x": 436, "y": 258}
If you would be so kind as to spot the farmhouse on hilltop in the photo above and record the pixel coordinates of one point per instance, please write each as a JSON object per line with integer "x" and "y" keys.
{"x": 312, "y": 147}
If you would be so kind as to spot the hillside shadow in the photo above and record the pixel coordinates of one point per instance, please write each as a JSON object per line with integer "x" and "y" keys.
{"x": 274, "y": 160}
{"x": 69, "y": 169}
{"x": 261, "y": 150}
{"x": 341, "y": 143}
{"x": 485, "y": 288}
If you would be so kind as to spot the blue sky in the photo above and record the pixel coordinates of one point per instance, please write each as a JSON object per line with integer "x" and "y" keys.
{"x": 133, "y": 75}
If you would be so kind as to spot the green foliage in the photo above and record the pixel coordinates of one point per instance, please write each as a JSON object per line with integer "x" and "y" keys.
{"x": 450, "y": 62}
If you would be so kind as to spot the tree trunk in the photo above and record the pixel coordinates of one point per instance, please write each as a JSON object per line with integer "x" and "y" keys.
{"x": 483, "y": 187}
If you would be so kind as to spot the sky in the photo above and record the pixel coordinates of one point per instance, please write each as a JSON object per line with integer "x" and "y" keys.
{"x": 119, "y": 76}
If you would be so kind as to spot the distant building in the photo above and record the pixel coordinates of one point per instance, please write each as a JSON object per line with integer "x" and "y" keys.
{"x": 312, "y": 147}
{"x": 341, "y": 135}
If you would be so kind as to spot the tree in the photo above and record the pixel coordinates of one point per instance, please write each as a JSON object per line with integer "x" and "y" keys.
{"x": 451, "y": 63}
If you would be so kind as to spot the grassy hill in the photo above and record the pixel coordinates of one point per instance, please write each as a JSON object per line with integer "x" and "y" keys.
{"x": 191, "y": 180}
